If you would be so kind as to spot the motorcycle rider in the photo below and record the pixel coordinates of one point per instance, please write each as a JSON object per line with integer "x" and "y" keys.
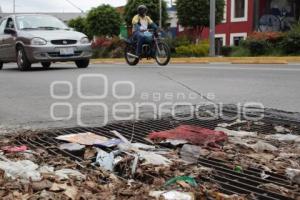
{"x": 141, "y": 23}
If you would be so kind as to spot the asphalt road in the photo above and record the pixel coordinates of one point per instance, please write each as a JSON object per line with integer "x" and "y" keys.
{"x": 26, "y": 100}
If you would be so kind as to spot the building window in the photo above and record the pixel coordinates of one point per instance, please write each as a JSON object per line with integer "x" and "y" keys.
{"x": 236, "y": 38}
{"x": 239, "y": 10}
{"x": 225, "y": 12}
{"x": 221, "y": 39}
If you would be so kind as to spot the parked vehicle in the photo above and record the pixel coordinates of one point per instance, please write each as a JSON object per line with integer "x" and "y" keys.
{"x": 154, "y": 48}
{"x": 31, "y": 38}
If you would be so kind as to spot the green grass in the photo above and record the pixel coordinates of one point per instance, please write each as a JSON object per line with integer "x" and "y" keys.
{"x": 240, "y": 52}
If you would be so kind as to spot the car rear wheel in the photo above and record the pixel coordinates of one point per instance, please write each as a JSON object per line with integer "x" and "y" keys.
{"x": 82, "y": 63}
{"x": 1, "y": 65}
{"x": 46, "y": 65}
{"x": 22, "y": 60}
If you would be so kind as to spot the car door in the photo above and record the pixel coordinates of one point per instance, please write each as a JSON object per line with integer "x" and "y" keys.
{"x": 9, "y": 40}
{"x": 2, "y": 27}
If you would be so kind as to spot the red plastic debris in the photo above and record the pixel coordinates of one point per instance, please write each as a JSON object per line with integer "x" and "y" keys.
{"x": 14, "y": 149}
{"x": 193, "y": 134}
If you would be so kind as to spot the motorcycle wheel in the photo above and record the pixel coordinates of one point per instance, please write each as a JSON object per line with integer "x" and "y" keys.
{"x": 131, "y": 60}
{"x": 163, "y": 55}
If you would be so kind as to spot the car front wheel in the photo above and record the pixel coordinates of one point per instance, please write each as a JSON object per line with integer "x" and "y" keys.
{"x": 82, "y": 63}
{"x": 1, "y": 65}
{"x": 46, "y": 65}
{"x": 22, "y": 61}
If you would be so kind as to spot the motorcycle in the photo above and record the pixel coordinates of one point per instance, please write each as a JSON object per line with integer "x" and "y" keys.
{"x": 155, "y": 48}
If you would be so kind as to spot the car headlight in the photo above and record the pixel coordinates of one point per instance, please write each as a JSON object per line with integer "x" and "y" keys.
{"x": 84, "y": 40}
{"x": 38, "y": 41}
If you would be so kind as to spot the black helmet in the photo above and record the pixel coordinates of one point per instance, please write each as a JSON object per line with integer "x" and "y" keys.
{"x": 142, "y": 10}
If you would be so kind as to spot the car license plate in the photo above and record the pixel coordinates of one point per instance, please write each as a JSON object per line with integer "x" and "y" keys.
{"x": 66, "y": 51}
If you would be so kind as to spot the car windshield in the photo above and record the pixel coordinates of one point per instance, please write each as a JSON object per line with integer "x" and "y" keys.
{"x": 32, "y": 22}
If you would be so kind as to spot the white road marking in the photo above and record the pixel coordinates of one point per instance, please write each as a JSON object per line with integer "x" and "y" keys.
{"x": 249, "y": 68}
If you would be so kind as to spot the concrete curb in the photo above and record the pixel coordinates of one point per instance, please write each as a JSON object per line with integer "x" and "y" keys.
{"x": 218, "y": 60}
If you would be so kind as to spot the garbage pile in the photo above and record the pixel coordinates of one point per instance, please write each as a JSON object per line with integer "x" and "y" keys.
{"x": 166, "y": 166}
{"x": 274, "y": 152}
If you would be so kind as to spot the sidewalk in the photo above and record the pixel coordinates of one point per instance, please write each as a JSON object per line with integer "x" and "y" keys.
{"x": 208, "y": 60}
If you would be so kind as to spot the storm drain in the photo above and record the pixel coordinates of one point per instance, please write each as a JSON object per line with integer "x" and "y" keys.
{"x": 229, "y": 180}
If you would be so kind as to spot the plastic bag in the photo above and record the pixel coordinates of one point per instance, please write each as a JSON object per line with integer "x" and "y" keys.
{"x": 23, "y": 169}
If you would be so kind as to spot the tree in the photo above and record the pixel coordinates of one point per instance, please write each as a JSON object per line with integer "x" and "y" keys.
{"x": 195, "y": 13}
{"x": 79, "y": 24}
{"x": 104, "y": 21}
{"x": 153, "y": 10}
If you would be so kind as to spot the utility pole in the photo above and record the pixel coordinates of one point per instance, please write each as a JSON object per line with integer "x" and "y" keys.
{"x": 160, "y": 13}
{"x": 14, "y": 6}
{"x": 212, "y": 28}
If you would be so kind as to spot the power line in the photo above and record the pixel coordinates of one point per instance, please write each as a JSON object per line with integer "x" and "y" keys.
{"x": 74, "y": 5}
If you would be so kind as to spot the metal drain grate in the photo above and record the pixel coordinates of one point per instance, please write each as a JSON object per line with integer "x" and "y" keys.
{"x": 230, "y": 182}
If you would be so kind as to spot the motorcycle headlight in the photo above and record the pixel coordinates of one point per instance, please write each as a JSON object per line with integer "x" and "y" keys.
{"x": 84, "y": 40}
{"x": 38, "y": 41}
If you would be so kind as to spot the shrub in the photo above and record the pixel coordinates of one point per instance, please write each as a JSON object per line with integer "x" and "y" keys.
{"x": 198, "y": 50}
{"x": 260, "y": 43}
{"x": 257, "y": 47}
{"x": 116, "y": 43}
{"x": 240, "y": 52}
{"x": 100, "y": 42}
{"x": 171, "y": 43}
{"x": 272, "y": 37}
{"x": 103, "y": 20}
{"x": 79, "y": 24}
{"x": 101, "y": 53}
{"x": 291, "y": 41}
{"x": 226, "y": 50}
{"x": 177, "y": 42}
{"x": 183, "y": 41}
{"x": 104, "y": 47}
{"x": 270, "y": 43}
{"x": 117, "y": 53}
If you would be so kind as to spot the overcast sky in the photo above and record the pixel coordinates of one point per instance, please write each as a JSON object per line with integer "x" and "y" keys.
{"x": 54, "y": 5}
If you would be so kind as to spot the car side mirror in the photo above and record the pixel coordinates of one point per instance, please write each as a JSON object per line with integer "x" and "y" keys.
{"x": 9, "y": 31}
